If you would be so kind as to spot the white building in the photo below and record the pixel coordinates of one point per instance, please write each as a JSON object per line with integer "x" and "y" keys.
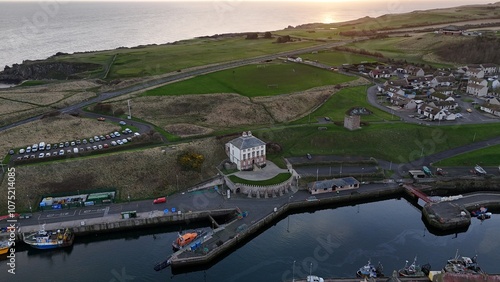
{"x": 246, "y": 151}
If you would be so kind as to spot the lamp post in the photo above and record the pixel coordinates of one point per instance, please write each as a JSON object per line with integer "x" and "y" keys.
{"x": 362, "y": 173}
{"x": 177, "y": 182}
{"x": 129, "y": 113}
{"x": 293, "y": 272}
{"x": 288, "y": 225}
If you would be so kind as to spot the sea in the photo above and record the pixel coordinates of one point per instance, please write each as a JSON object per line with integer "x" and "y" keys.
{"x": 39, "y": 29}
{"x": 331, "y": 242}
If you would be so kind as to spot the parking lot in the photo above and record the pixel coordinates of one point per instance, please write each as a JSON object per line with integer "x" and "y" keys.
{"x": 75, "y": 147}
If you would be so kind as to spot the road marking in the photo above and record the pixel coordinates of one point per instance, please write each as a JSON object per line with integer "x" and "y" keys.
{"x": 91, "y": 211}
{"x": 56, "y": 215}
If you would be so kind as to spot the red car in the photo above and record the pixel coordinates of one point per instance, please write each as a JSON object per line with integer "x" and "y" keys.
{"x": 160, "y": 200}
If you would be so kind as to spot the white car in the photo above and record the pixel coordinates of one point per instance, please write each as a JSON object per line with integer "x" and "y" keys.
{"x": 122, "y": 122}
{"x": 61, "y": 152}
{"x": 124, "y": 140}
{"x": 119, "y": 142}
{"x": 41, "y": 155}
{"x": 99, "y": 147}
{"x": 136, "y": 134}
{"x": 21, "y": 151}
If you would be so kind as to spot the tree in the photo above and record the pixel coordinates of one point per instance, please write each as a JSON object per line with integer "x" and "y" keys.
{"x": 267, "y": 35}
{"x": 190, "y": 161}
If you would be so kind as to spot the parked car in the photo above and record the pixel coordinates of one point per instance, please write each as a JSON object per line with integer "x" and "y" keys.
{"x": 160, "y": 200}
{"x": 47, "y": 154}
{"x": 54, "y": 153}
{"x": 469, "y": 110}
{"x": 28, "y": 149}
{"x": 55, "y": 146}
{"x": 309, "y": 156}
{"x": 78, "y": 142}
{"x": 41, "y": 155}
{"x": 94, "y": 147}
{"x": 32, "y": 156}
{"x": 48, "y": 147}
{"x": 105, "y": 145}
{"x": 66, "y": 144}
{"x": 21, "y": 151}
{"x": 99, "y": 147}
{"x": 84, "y": 141}
{"x": 112, "y": 135}
{"x": 119, "y": 142}
{"x": 124, "y": 140}
{"x": 122, "y": 122}
{"x": 11, "y": 152}
{"x": 73, "y": 143}
{"x": 107, "y": 136}
{"x": 61, "y": 152}
{"x": 117, "y": 134}
{"x": 61, "y": 145}
{"x": 136, "y": 134}
{"x": 113, "y": 143}
{"x": 91, "y": 140}
{"x": 101, "y": 119}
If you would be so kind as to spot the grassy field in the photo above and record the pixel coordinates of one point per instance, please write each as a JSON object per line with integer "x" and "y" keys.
{"x": 337, "y": 58}
{"x": 417, "y": 48}
{"x": 255, "y": 80}
{"x": 337, "y": 105}
{"x": 397, "y": 142}
{"x": 160, "y": 59}
{"x": 485, "y": 157}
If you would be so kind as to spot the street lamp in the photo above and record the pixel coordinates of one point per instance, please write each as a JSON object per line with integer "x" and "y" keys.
{"x": 293, "y": 272}
{"x": 362, "y": 173}
{"x": 129, "y": 114}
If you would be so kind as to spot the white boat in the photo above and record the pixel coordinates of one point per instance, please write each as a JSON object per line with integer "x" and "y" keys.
{"x": 313, "y": 278}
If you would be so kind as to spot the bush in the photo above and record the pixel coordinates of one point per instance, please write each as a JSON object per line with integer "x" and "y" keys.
{"x": 190, "y": 161}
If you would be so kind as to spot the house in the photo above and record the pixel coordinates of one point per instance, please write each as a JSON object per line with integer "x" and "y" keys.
{"x": 432, "y": 112}
{"x": 477, "y": 81}
{"x": 448, "y": 91}
{"x": 391, "y": 90}
{"x": 438, "y": 96}
{"x": 489, "y": 69}
{"x": 419, "y": 81}
{"x": 451, "y": 30}
{"x": 403, "y": 102}
{"x": 475, "y": 72}
{"x": 397, "y": 82}
{"x": 442, "y": 81}
{"x": 382, "y": 73}
{"x": 444, "y": 105}
{"x": 414, "y": 71}
{"x": 332, "y": 185}
{"x": 477, "y": 90}
{"x": 495, "y": 84}
{"x": 491, "y": 108}
{"x": 246, "y": 151}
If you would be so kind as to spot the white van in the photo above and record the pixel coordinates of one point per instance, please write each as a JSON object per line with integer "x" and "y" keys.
{"x": 75, "y": 150}
{"x": 41, "y": 146}
{"x": 34, "y": 148}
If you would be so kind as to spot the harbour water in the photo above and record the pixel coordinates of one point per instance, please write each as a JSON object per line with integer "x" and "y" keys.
{"x": 335, "y": 241}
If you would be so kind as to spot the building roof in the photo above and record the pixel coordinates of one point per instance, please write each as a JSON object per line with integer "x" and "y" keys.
{"x": 325, "y": 184}
{"x": 246, "y": 141}
{"x": 441, "y": 79}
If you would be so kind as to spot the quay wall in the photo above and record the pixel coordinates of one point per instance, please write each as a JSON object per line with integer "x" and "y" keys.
{"x": 148, "y": 219}
{"x": 278, "y": 213}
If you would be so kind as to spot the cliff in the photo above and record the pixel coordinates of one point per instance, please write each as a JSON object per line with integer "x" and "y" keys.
{"x": 44, "y": 70}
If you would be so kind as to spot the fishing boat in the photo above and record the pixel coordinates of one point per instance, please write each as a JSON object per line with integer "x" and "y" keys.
{"x": 4, "y": 247}
{"x": 478, "y": 212}
{"x": 479, "y": 170}
{"x": 370, "y": 271}
{"x": 186, "y": 238}
{"x": 51, "y": 239}
{"x": 462, "y": 265}
{"x": 414, "y": 270}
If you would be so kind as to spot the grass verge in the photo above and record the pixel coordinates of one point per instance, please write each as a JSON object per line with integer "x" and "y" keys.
{"x": 280, "y": 178}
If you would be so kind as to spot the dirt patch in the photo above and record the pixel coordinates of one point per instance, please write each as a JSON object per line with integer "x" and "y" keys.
{"x": 187, "y": 130}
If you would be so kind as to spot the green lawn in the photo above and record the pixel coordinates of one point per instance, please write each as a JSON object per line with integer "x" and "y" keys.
{"x": 397, "y": 142}
{"x": 280, "y": 178}
{"x": 254, "y": 80}
{"x": 486, "y": 157}
{"x": 345, "y": 99}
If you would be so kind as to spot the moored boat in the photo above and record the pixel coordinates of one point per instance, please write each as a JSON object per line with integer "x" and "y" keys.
{"x": 51, "y": 239}
{"x": 462, "y": 265}
{"x": 414, "y": 270}
{"x": 4, "y": 247}
{"x": 370, "y": 271}
{"x": 186, "y": 238}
